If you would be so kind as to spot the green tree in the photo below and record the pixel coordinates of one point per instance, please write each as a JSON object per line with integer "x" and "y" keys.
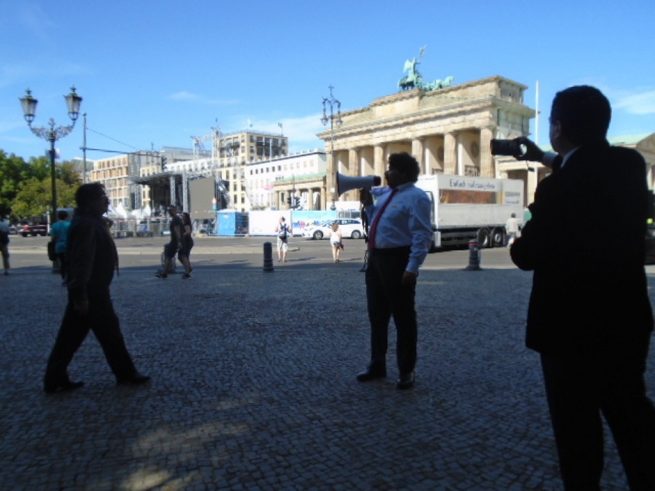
{"x": 13, "y": 171}
{"x": 35, "y": 195}
{"x": 39, "y": 167}
{"x": 33, "y": 179}
{"x": 68, "y": 173}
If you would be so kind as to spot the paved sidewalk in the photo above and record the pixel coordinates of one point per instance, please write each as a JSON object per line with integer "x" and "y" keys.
{"x": 254, "y": 387}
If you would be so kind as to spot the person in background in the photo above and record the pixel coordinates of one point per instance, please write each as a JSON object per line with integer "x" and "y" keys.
{"x": 4, "y": 244}
{"x": 512, "y": 229}
{"x": 170, "y": 249}
{"x": 92, "y": 260}
{"x": 336, "y": 241}
{"x": 59, "y": 233}
{"x": 186, "y": 245}
{"x": 283, "y": 231}
{"x": 589, "y": 315}
{"x": 400, "y": 234}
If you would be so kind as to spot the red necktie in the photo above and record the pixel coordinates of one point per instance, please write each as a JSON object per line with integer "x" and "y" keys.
{"x": 374, "y": 226}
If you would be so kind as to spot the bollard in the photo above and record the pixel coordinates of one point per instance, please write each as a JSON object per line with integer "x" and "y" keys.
{"x": 268, "y": 256}
{"x": 474, "y": 256}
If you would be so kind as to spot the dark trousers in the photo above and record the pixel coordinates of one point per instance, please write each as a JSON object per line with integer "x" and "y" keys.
{"x": 102, "y": 319}
{"x": 386, "y": 297}
{"x": 63, "y": 264}
{"x": 579, "y": 390}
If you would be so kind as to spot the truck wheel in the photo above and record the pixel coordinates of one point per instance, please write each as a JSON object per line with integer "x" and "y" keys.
{"x": 498, "y": 237}
{"x": 318, "y": 235}
{"x": 484, "y": 238}
{"x": 355, "y": 234}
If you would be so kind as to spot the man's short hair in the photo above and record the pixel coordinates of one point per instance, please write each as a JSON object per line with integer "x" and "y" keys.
{"x": 405, "y": 164}
{"x": 62, "y": 214}
{"x": 583, "y": 112}
{"x": 88, "y": 193}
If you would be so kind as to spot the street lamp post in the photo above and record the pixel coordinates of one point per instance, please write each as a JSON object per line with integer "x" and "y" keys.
{"x": 52, "y": 133}
{"x": 330, "y": 105}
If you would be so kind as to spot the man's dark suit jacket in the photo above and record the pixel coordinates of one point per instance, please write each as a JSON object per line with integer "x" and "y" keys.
{"x": 585, "y": 243}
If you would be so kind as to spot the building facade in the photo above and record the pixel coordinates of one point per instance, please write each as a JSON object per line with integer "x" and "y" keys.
{"x": 448, "y": 130}
{"x": 113, "y": 173}
{"x": 280, "y": 182}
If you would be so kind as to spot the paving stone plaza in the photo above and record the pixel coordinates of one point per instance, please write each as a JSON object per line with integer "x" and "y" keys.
{"x": 253, "y": 380}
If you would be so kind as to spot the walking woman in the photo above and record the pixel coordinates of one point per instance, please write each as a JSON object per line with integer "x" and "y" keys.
{"x": 336, "y": 241}
{"x": 186, "y": 245}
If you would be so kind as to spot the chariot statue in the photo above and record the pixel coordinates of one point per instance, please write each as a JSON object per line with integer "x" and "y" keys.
{"x": 414, "y": 80}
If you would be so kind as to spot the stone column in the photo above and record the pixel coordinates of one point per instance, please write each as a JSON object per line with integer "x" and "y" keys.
{"x": 171, "y": 181}
{"x": 353, "y": 162}
{"x": 450, "y": 154}
{"x": 486, "y": 159}
{"x": 366, "y": 156}
{"x": 419, "y": 154}
{"x": 379, "y": 163}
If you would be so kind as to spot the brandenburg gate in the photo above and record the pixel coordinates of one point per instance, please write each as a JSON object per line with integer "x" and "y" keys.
{"x": 448, "y": 130}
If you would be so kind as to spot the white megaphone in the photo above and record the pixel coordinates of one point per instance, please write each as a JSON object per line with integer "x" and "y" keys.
{"x": 346, "y": 183}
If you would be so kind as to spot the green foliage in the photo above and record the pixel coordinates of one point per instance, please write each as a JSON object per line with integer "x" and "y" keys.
{"x": 34, "y": 197}
{"x": 25, "y": 188}
{"x": 39, "y": 167}
{"x": 13, "y": 171}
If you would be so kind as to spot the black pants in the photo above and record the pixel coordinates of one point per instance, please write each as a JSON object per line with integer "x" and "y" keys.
{"x": 102, "y": 319}
{"x": 386, "y": 297}
{"x": 578, "y": 392}
{"x": 63, "y": 264}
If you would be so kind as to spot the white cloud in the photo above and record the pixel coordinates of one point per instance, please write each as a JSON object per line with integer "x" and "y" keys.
{"x": 183, "y": 95}
{"x": 638, "y": 102}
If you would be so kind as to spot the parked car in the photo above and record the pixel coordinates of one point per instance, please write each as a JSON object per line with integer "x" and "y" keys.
{"x": 350, "y": 228}
{"x": 13, "y": 230}
{"x": 34, "y": 230}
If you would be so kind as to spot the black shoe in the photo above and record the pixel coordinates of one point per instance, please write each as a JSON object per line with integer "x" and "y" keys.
{"x": 135, "y": 379}
{"x": 161, "y": 275}
{"x": 406, "y": 381}
{"x": 186, "y": 276}
{"x": 61, "y": 387}
{"x": 372, "y": 373}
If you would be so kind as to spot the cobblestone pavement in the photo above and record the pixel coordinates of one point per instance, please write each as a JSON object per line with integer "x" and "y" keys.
{"x": 254, "y": 386}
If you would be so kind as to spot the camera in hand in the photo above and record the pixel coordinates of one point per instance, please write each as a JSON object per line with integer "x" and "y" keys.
{"x": 506, "y": 147}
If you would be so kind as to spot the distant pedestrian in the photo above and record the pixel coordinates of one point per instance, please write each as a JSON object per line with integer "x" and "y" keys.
{"x": 589, "y": 315}
{"x": 512, "y": 229}
{"x": 283, "y": 231}
{"x": 186, "y": 245}
{"x": 4, "y": 244}
{"x": 92, "y": 259}
{"x": 59, "y": 234}
{"x": 336, "y": 241}
{"x": 170, "y": 249}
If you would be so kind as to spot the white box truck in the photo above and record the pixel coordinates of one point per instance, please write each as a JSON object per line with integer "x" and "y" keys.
{"x": 471, "y": 208}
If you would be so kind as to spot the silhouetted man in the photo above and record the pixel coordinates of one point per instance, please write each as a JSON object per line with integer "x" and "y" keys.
{"x": 589, "y": 315}
{"x": 92, "y": 259}
{"x": 399, "y": 237}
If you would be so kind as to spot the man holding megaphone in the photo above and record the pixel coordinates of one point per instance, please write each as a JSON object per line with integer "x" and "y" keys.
{"x": 400, "y": 233}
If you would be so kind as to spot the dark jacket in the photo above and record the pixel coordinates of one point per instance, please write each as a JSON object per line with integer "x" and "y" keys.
{"x": 585, "y": 243}
{"x": 91, "y": 255}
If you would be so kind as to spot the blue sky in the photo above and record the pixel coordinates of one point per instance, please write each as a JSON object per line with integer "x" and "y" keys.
{"x": 154, "y": 73}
